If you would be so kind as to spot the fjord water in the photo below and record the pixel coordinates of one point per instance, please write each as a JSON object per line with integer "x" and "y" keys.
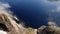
{"x": 32, "y": 12}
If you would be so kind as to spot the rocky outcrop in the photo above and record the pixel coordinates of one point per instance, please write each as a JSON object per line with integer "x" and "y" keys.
{"x": 9, "y": 25}
{"x": 49, "y": 30}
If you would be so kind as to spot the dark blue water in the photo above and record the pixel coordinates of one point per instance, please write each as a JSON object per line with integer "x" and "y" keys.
{"x": 32, "y": 12}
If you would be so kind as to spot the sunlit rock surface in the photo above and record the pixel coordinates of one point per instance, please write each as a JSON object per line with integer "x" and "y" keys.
{"x": 8, "y": 24}
{"x": 2, "y": 32}
{"x": 49, "y": 30}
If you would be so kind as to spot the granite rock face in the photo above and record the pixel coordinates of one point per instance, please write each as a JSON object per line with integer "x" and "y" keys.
{"x": 49, "y": 30}
{"x": 8, "y": 25}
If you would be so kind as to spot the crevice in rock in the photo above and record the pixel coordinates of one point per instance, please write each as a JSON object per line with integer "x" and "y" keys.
{"x": 3, "y": 27}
